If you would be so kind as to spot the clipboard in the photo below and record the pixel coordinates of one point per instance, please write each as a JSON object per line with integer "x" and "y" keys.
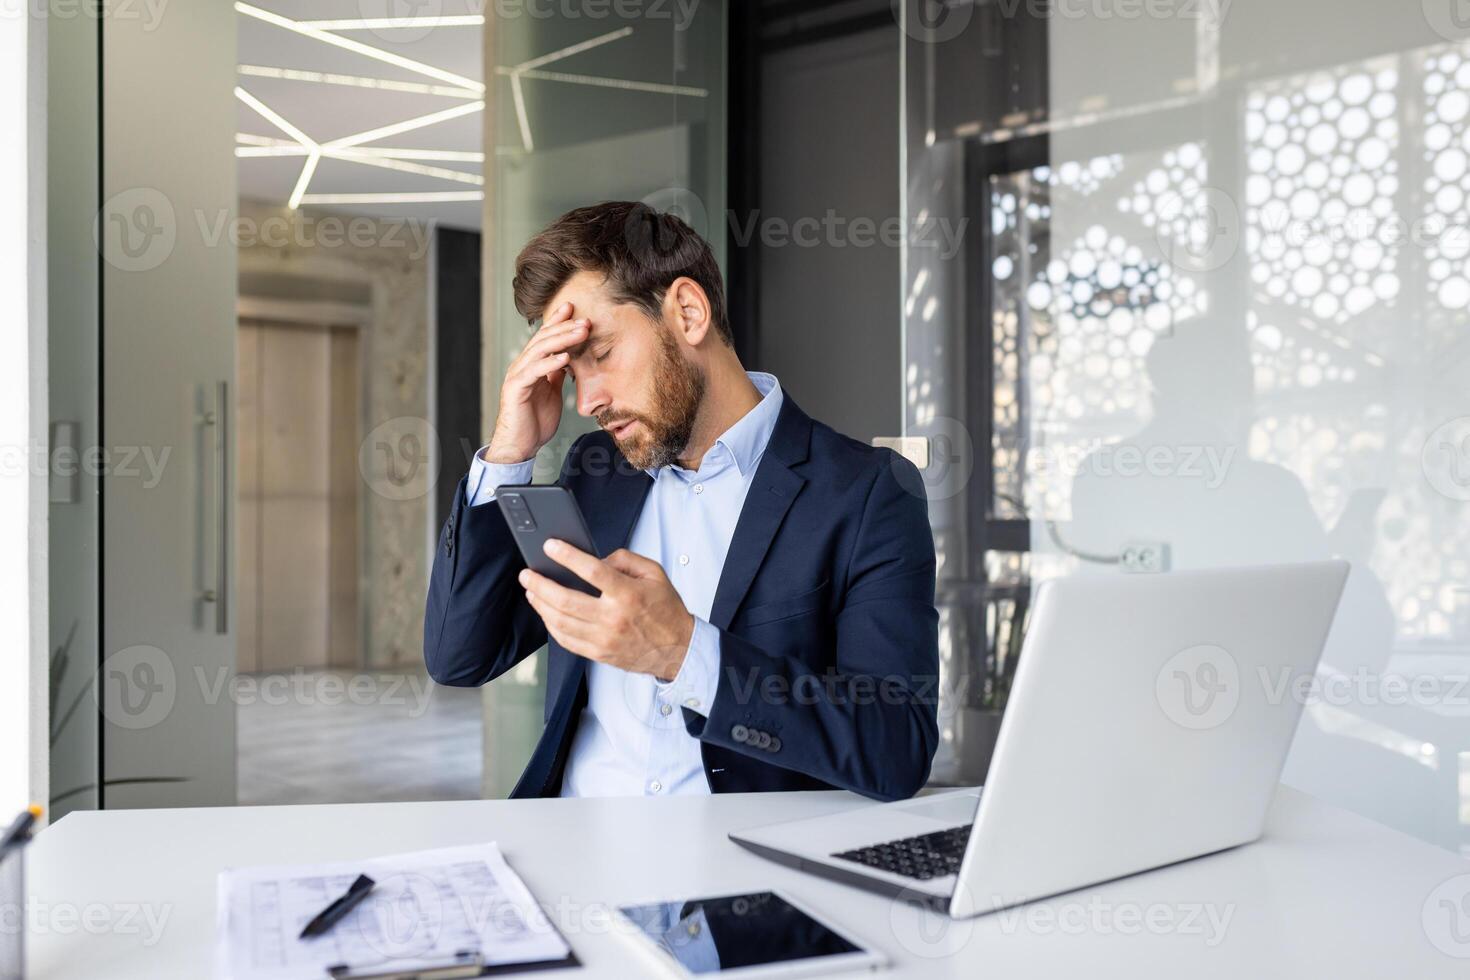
{"x": 439, "y": 914}
{"x": 465, "y": 964}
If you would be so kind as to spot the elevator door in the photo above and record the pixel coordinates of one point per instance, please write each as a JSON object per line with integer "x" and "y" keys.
{"x": 298, "y": 508}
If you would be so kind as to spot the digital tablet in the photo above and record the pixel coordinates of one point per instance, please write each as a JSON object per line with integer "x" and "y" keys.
{"x": 760, "y": 934}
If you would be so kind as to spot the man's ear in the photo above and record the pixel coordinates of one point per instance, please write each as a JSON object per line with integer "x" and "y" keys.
{"x": 687, "y": 307}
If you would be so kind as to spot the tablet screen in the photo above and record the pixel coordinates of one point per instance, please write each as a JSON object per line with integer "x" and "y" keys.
{"x": 714, "y": 934}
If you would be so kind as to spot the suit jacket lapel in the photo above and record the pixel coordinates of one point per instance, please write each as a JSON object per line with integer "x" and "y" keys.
{"x": 772, "y": 492}
{"x": 614, "y": 510}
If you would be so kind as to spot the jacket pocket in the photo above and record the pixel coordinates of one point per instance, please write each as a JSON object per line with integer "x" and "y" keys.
{"x": 786, "y": 608}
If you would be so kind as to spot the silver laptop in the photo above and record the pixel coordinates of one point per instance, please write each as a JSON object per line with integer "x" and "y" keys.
{"x": 1148, "y": 723}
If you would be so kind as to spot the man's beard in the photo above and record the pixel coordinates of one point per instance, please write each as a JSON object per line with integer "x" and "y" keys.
{"x": 678, "y": 388}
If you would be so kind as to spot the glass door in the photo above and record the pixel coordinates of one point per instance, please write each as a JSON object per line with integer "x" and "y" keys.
{"x": 587, "y": 110}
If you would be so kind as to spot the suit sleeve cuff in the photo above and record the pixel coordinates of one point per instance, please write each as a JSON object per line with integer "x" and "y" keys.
{"x": 698, "y": 678}
{"x": 479, "y": 486}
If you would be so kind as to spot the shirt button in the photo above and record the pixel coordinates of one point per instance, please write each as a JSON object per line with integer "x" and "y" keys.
{"x": 665, "y": 709}
{"x": 691, "y": 703}
{"x": 699, "y": 488}
{"x": 683, "y": 559}
{"x": 655, "y": 786}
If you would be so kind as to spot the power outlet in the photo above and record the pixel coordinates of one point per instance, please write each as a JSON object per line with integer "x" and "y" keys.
{"x": 1145, "y": 557}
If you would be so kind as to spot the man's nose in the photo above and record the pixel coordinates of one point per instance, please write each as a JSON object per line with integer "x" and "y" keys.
{"x": 590, "y": 397}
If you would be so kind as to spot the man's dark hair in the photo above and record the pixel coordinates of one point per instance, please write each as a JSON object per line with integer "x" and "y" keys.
{"x": 638, "y": 250}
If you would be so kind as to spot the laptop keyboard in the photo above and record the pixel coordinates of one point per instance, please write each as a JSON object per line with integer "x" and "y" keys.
{"x": 923, "y": 857}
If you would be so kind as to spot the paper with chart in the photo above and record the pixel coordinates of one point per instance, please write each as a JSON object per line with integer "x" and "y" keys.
{"x": 426, "y": 907}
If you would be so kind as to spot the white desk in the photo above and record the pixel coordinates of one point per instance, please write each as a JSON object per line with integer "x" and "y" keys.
{"x": 1324, "y": 894}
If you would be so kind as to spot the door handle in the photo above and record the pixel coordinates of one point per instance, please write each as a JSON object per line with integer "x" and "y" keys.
{"x": 217, "y": 422}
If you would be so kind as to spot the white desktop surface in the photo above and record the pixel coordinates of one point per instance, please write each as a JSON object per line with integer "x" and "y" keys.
{"x": 1323, "y": 894}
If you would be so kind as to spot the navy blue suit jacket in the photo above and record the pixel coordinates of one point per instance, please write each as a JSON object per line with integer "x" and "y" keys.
{"x": 829, "y": 657}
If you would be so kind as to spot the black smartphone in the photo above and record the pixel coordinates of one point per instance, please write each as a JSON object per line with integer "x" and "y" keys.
{"x": 536, "y": 513}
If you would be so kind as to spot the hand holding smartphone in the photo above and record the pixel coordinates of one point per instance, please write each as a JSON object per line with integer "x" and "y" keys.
{"x": 537, "y": 513}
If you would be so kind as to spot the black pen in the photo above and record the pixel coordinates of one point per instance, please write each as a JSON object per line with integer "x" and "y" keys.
{"x": 332, "y": 913}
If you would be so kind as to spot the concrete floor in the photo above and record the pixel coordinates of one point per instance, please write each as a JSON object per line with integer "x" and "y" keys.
{"x": 355, "y": 737}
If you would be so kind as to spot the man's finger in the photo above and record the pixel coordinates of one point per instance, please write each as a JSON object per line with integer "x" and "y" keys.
{"x": 537, "y": 370}
{"x": 558, "y": 315}
{"x": 634, "y": 564}
{"x": 589, "y": 569}
{"x": 567, "y": 601}
{"x": 573, "y": 634}
{"x": 567, "y": 335}
{"x": 552, "y": 342}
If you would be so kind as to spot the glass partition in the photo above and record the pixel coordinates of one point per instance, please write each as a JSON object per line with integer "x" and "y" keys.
{"x": 1211, "y": 310}
{"x": 588, "y": 109}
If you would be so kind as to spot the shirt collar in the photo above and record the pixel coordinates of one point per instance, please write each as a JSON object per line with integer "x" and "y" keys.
{"x": 747, "y": 439}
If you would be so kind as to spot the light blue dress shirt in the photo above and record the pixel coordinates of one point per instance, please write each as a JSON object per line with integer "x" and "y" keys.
{"x": 631, "y": 739}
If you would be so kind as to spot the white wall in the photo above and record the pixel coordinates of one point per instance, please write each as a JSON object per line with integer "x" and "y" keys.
{"x": 22, "y": 413}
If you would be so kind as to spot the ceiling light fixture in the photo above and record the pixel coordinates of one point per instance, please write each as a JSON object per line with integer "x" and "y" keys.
{"x": 367, "y": 50}
{"x": 358, "y": 81}
{"x": 523, "y": 119}
{"x": 389, "y": 23}
{"x": 390, "y": 163}
{"x": 271, "y": 151}
{"x": 597, "y": 81}
{"x": 571, "y": 49}
{"x": 349, "y": 148}
{"x": 274, "y": 118}
{"x": 345, "y": 148}
{"x": 424, "y": 197}
{"x": 312, "y": 159}
{"x": 252, "y": 141}
{"x": 417, "y": 122}
{"x": 409, "y": 153}
{"x": 313, "y": 154}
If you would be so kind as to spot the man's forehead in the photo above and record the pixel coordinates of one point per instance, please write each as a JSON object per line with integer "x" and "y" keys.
{"x": 586, "y": 291}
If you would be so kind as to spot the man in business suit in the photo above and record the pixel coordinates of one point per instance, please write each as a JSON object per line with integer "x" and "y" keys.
{"x": 766, "y": 618}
